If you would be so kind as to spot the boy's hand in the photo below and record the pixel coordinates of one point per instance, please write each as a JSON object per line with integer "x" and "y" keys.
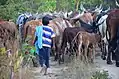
{"x": 33, "y": 43}
{"x": 53, "y": 47}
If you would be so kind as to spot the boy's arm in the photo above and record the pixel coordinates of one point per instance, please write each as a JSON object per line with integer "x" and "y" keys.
{"x": 53, "y": 38}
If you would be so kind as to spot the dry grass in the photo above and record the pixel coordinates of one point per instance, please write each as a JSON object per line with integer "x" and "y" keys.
{"x": 4, "y": 67}
{"x": 23, "y": 74}
{"x": 78, "y": 70}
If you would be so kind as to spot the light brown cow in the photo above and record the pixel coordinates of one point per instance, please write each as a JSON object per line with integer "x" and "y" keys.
{"x": 29, "y": 29}
{"x": 89, "y": 42}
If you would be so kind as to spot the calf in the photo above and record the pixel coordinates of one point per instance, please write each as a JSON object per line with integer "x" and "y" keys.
{"x": 89, "y": 42}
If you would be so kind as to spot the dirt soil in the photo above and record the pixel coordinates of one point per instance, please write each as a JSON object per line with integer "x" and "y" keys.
{"x": 72, "y": 71}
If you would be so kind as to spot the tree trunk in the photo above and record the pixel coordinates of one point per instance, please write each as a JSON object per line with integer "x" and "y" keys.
{"x": 57, "y": 5}
{"x": 76, "y": 4}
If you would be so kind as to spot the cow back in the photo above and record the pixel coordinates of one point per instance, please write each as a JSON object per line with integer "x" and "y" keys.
{"x": 113, "y": 23}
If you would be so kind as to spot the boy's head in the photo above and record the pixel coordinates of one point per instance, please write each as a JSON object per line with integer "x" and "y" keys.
{"x": 46, "y": 19}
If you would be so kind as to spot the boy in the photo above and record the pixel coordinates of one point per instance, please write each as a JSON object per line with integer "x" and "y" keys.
{"x": 43, "y": 40}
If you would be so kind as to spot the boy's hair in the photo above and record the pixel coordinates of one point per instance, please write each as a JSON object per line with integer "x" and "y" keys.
{"x": 46, "y": 19}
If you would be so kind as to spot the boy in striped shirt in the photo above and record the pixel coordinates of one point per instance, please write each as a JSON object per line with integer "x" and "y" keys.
{"x": 44, "y": 46}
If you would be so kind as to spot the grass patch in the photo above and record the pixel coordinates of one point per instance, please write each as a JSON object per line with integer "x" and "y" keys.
{"x": 100, "y": 75}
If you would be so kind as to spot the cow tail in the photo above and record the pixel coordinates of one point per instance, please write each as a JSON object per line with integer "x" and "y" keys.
{"x": 75, "y": 38}
{"x": 26, "y": 32}
{"x": 107, "y": 34}
{"x": 64, "y": 39}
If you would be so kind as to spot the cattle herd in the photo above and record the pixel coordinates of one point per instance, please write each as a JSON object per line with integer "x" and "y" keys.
{"x": 77, "y": 32}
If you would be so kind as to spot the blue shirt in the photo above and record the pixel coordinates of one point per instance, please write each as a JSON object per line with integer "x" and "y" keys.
{"x": 47, "y": 36}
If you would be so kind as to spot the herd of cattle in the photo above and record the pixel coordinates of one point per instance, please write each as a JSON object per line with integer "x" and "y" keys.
{"x": 77, "y": 33}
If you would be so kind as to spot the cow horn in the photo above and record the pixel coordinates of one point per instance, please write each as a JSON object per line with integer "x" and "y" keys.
{"x": 100, "y": 6}
{"x": 76, "y": 17}
{"x": 96, "y": 7}
{"x": 107, "y": 9}
{"x": 82, "y": 8}
{"x": 65, "y": 14}
{"x": 117, "y": 4}
{"x": 70, "y": 13}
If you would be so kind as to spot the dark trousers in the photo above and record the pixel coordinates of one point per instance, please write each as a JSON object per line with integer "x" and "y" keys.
{"x": 44, "y": 55}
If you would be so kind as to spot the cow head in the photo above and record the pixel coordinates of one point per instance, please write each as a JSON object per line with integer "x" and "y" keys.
{"x": 99, "y": 9}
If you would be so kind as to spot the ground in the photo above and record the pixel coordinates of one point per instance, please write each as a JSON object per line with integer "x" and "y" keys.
{"x": 72, "y": 70}
{"x": 112, "y": 69}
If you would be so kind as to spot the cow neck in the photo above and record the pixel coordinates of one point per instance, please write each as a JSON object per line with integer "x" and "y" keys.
{"x": 57, "y": 24}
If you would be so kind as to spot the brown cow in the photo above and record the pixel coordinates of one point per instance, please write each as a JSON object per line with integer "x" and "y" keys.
{"x": 112, "y": 28}
{"x": 86, "y": 17}
{"x": 69, "y": 33}
{"x": 8, "y": 47}
{"x": 58, "y": 25}
{"x": 87, "y": 40}
{"x": 29, "y": 29}
{"x": 9, "y": 36}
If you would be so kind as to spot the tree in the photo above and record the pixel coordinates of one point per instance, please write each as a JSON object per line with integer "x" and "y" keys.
{"x": 77, "y": 4}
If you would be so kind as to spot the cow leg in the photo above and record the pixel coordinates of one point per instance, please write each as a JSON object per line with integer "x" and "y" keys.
{"x": 103, "y": 56}
{"x": 61, "y": 55}
{"x": 79, "y": 51}
{"x": 117, "y": 54}
{"x": 90, "y": 54}
{"x": 109, "y": 55}
{"x": 113, "y": 55}
{"x": 92, "y": 57}
{"x": 105, "y": 47}
{"x": 105, "y": 51}
{"x": 111, "y": 48}
{"x": 56, "y": 53}
{"x": 85, "y": 53}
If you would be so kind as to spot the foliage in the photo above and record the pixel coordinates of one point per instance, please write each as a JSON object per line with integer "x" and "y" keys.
{"x": 28, "y": 53}
{"x": 100, "y": 75}
{"x": 9, "y": 8}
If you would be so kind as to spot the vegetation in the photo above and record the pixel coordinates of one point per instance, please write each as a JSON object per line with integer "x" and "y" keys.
{"x": 9, "y": 8}
{"x": 100, "y": 75}
{"x": 12, "y": 64}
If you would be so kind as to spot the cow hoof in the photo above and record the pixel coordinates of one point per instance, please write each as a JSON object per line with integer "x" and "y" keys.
{"x": 113, "y": 58}
{"x": 109, "y": 62}
{"x": 103, "y": 57}
{"x": 117, "y": 64}
{"x": 55, "y": 59}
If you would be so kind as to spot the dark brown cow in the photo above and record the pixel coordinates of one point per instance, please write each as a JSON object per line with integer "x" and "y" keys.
{"x": 112, "y": 28}
{"x": 68, "y": 36}
{"x": 70, "y": 33}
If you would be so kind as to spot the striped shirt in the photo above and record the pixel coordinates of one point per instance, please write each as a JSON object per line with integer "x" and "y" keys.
{"x": 48, "y": 34}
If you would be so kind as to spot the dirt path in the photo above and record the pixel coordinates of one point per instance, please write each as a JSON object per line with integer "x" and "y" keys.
{"x": 63, "y": 71}
{"x": 112, "y": 69}
{"x": 55, "y": 71}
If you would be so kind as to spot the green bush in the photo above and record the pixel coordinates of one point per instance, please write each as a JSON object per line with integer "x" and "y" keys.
{"x": 100, "y": 75}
